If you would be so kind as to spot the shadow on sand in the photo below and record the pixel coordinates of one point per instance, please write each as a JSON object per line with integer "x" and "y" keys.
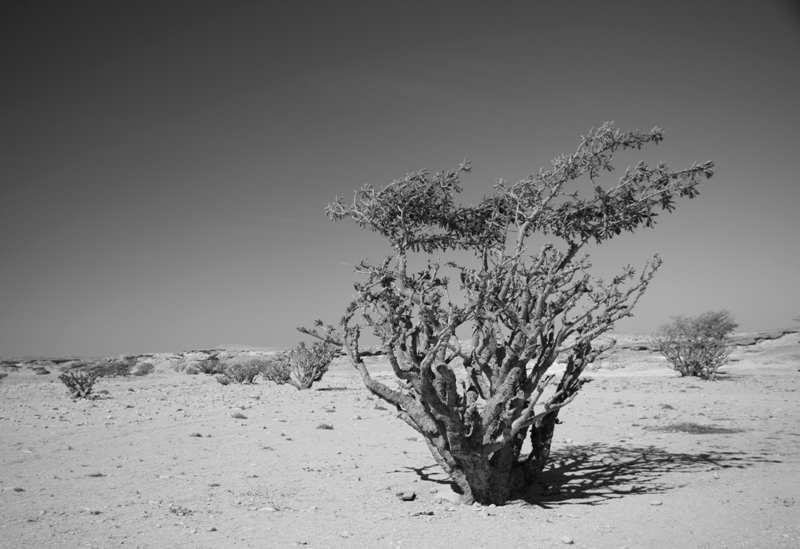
{"x": 595, "y": 473}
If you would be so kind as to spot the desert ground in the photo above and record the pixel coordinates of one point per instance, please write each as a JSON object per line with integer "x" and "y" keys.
{"x": 643, "y": 459}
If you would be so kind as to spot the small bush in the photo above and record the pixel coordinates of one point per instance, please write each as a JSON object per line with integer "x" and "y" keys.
{"x": 222, "y": 379}
{"x": 210, "y": 366}
{"x": 245, "y": 372}
{"x": 696, "y": 346}
{"x": 80, "y": 383}
{"x": 143, "y": 369}
{"x": 325, "y": 426}
{"x": 238, "y": 415}
{"x": 302, "y": 366}
{"x": 113, "y": 368}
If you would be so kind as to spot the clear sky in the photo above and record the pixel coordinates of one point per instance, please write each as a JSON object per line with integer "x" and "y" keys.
{"x": 165, "y": 165}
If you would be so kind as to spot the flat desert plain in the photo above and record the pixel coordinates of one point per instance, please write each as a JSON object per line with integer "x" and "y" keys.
{"x": 642, "y": 459}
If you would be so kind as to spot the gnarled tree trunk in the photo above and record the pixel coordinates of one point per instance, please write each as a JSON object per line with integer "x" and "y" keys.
{"x": 495, "y": 478}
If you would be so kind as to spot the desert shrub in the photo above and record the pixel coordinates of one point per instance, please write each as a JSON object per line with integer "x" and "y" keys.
{"x": 527, "y": 296}
{"x": 302, "y": 366}
{"x": 210, "y": 366}
{"x": 2, "y": 375}
{"x": 696, "y": 346}
{"x": 79, "y": 382}
{"x": 116, "y": 368}
{"x": 143, "y": 368}
{"x": 222, "y": 379}
{"x": 245, "y": 372}
{"x": 112, "y": 368}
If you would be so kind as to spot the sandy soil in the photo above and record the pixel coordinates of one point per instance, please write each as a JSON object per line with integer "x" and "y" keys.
{"x": 163, "y": 461}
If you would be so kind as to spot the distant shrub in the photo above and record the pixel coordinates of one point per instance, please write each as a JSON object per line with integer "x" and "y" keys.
{"x": 696, "y": 346}
{"x": 245, "y": 372}
{"x": 2, "y": 375}
{"x": 210, "y": 366}
{"x": 113, "y": 368}
{"x": 191, "y": 370}
{"x": 302, "y": 366}
{"x": 79, "y": 382}
{"x": 41, "y": 371}
{"x": 222, "y": 379}
{"x": 143, "y": 369}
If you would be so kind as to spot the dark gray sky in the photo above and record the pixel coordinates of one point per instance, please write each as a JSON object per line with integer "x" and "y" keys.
{"x": 165, "y": 165}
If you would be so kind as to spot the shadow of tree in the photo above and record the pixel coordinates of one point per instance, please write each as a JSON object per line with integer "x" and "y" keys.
{"x": 594, "y": 473}
{"x": 427, "y": 474}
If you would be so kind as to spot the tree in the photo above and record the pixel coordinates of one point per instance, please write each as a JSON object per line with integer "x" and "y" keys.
{"x": 696, "y": 346}
{"x": 475, "y": 403}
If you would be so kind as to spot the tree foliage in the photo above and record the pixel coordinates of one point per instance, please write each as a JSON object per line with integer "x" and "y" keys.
{"x": 476, "y": 402}
{"x": 696, "y": 346}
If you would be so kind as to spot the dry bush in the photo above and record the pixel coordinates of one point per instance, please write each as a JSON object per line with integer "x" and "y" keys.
{"x": 210, "y": 366}
{"x": 245, "y": 372}
{"x": 222, "y": 379}
{"x": 302, "y": 366}
{"x": 79, "y": 382}
{"x": 113, "y": 368}
{"x": 143, "y": 369}
{"x": 696, "y": 346}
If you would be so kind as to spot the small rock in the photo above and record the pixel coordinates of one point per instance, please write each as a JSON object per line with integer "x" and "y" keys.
{"x": 408, "y": 496}
{"x": 196, "y": 435}
{"x": 567, "y": 541}
{"x": 655, "y": 503}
